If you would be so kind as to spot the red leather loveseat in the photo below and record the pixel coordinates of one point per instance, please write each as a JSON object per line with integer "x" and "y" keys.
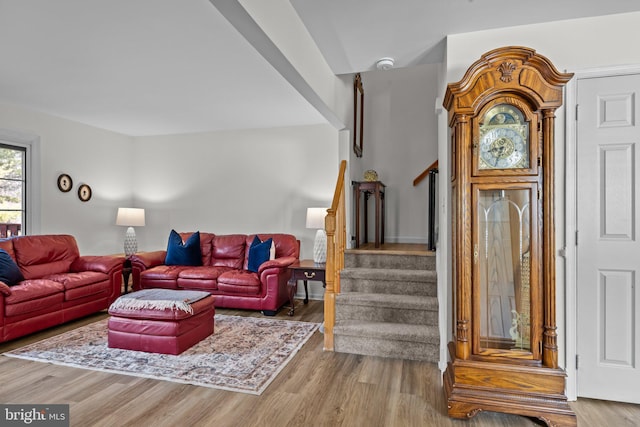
{"x": 224, "y": 271}
{"x": 59, "y": 285}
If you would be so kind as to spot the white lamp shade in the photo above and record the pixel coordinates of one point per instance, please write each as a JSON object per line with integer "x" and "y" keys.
{"x": 130, "y": 217}
{"x": 315, "y": 217}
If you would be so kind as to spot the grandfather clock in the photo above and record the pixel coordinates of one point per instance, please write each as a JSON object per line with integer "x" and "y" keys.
{"x": 504, "y": 355}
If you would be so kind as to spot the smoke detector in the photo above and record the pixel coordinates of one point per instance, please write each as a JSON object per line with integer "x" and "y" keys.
{"x": 385, "y": 64}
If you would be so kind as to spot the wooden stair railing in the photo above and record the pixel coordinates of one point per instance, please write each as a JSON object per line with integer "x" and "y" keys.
{"x": 335, "y": 225}
{"x": 431, "y": 172}
{"x": 425, "y": 173}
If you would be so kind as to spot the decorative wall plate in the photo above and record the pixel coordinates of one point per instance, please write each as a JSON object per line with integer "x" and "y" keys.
{"x": 65, "y": 183}
{"x": 84, "y": 192}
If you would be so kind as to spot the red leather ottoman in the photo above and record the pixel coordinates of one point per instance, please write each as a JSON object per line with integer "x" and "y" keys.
{"x": 150, "y": 328}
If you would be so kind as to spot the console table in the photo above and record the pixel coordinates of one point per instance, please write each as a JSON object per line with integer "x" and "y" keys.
{"x": 304, "y": 269}
{"x": 368, "y": 188}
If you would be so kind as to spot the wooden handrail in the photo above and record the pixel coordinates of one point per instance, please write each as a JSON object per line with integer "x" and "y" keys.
{"x": 423, "y": 175}
{"x": 335, "y": 224}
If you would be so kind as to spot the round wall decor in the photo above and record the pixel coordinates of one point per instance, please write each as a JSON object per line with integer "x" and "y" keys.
{"x": 65, "y": 183}
{"x": 84, "y": 192}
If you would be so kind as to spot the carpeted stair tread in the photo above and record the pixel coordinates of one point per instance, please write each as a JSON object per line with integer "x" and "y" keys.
{"x": 386, "y": 330}
{"x": 387, "y": 260}
{"x": 406, "y": 302}
{"x": 389, "y": 274}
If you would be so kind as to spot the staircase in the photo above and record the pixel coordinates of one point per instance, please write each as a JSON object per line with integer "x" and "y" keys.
{"x": 388, "y": 305}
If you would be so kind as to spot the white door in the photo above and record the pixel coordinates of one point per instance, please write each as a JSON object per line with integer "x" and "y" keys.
{"x": 608, "y": 251}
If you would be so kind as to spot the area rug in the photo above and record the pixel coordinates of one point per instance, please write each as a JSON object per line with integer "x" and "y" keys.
{"x": 244, "y": 354}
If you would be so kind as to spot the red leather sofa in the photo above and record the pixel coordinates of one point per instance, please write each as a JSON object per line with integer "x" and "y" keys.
{"x": 224, "y": 272}
{"x": 59, "y": 286}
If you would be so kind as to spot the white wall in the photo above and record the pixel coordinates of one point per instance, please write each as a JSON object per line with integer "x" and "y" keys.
{"x": 400, "y": 142}
{"x": 242, "y": 181}
{"x": 573, "y": 45}
{"x": 89, "y": 155}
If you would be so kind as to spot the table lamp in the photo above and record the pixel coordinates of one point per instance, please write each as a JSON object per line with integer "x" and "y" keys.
{"x": 130, "y": 217}
{"x": 315, "y": 219}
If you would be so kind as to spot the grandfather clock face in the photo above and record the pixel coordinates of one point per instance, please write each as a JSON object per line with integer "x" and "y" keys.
{"x": 503, "y": 139}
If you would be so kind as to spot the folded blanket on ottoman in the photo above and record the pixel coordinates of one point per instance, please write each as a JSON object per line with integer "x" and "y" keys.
{"x": 159, "y": 299}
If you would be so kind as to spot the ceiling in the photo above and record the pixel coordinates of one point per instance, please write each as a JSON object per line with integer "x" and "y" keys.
{"x": 353, "y": 34}
{"x": 154, "y": 67}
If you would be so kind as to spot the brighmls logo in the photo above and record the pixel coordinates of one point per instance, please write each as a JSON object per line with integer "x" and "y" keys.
{"x": 34, "y": 415}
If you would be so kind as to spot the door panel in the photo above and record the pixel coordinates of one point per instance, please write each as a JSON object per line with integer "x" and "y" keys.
{"x": 608, "y": 253}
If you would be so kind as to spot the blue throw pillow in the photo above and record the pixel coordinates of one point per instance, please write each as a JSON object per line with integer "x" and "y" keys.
{"x": 187, "y": 253}
{"x": 258, "y": 253}
{"x": 9, "y": 271}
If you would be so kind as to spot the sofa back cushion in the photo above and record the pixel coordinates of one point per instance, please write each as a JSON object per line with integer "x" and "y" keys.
{"x": 286, "y": 245}
{"x": 7, "y": 245}
{"x": 229, "y": 251}
{"x": 42, "y": 255}
{"x": 10, "y": 273}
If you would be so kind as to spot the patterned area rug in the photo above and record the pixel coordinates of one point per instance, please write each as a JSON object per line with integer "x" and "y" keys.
{"x": 244, "y": 354}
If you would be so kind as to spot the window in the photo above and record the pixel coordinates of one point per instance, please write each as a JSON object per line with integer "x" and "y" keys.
{"x": 13, "y": 184}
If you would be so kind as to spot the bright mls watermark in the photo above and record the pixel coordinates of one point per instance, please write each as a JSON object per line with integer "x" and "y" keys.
{"x": 34, "y": 415}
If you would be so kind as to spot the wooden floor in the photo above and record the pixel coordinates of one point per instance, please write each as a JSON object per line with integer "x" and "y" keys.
{"x": 316, "y": 388}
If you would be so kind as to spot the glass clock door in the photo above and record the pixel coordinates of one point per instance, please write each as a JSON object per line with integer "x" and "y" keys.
{"x": 503, "y": 279}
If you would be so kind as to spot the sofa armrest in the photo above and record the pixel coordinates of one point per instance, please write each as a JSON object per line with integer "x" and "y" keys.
{"x": 5, "y": 289}
{"x": 104, "y": 263}
{"x": 282, "y": 262}
{"x": 145, "y": 260}
{"x": 142, "y": 261}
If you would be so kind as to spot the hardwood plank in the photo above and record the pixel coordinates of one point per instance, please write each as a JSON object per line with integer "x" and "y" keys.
{"x": 316, "y": 388}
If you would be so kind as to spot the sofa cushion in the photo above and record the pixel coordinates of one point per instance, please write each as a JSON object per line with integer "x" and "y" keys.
{"x": 205, "y": 278}
{"x": 9, "y": 271}
{"x": 42, "y": 255}
{"x": 239, "y": 282}
{"x": 259, "y": 252}
{"x": 98, "y": 288}
{"x": 33, "y": 289}
{"x": 7, "y": 245}
{"x": 77, "y": 280}
{"x": 163, "y": 272}
{"x": 183, "y": 253}
{"x": 229, "y": 251}
{"x": 51, "y": 304}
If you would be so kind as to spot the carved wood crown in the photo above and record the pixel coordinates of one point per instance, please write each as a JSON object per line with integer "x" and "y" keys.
{"x": 506, "y": 69}
{"x": 514, "y": 69}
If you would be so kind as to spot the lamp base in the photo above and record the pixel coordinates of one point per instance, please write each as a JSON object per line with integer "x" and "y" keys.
{"x": 130, "y": 242}
{"x": 320, "y": 247}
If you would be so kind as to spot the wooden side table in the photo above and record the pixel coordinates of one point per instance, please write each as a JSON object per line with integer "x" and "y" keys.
{"x": 368, "y": 188}
{"x": 304, "y": 269}
{"x": 126, "y": 273}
